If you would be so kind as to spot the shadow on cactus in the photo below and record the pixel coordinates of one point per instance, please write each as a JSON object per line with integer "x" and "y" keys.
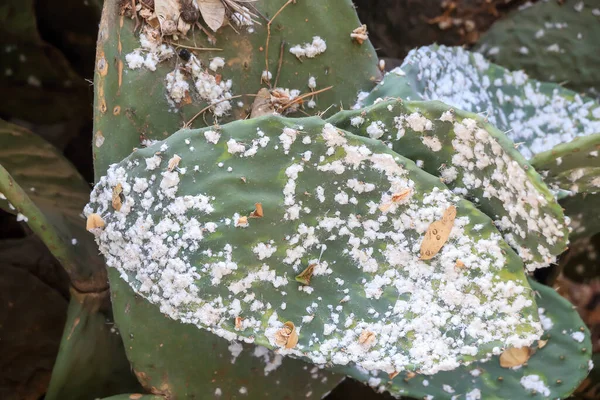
{"x": 45, "y": 191}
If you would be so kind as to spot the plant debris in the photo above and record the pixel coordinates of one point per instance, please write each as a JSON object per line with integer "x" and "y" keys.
{"x": 287, "y": 336}
{"x": 437, "y": 234}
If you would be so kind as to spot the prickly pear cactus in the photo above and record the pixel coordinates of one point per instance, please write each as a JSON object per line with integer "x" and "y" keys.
{"x": 172, "y": 358}
{"x": 556, "y": 365}
{"x": 547, "y": 122}
{"x": 575, "y": 168}
{"x": 535, "y": 115}
{"x": 323, "y": 255}
{"x": 475, "y": 160}
{"x": 310, "y": 50}
{"x": 44, "y": 190}
{"x": 552, "y": 41}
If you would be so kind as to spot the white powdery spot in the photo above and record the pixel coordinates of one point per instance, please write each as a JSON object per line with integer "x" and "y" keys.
{"x": 287, "y": 138}
{"x": 432, "y": 142}
{"x": 177, "y": 86}
{"x": 152, "y": 162}
{"x": 216, "y": 93}
{"x": 547, "y": 323}
{"x": 357, "y": 121}
{"x": 534, "y": 382}
{"x": 235, "y": 348}
{"x": 578, "y": 336}
{"x": 309, "y": 50}
{"x": 376, "y": 129}
{"x": 212, "y": 136}
{"x": 216, "y": 63}
{"x": 474, "y": 394}
{"x": 264, "y": 250}
{"x": 418, "y": 123}
{"x": 234, "y": 147}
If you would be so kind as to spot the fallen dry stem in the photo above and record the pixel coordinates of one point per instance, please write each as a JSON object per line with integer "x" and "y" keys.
{"x": 269, "y": 35}
{"x": 305, "y": 95}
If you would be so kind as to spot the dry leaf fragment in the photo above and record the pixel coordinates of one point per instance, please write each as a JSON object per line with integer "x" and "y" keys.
{"x": 394, "y": 374}
{"x": 366, "y": 338}
{"x": 437, "y": 234}
{"x": 258, "y": 211}
{"x": 513, "y": 357}
{"x": 173, "y": 162}
{"x": 262, "y": 104}
{"x": 117, "y": 197}
{"x": 403, "y": 194}
{"x": 459, "y": 264}
{"x": 168, "y": 12}
{"x": 542, "y": 343}
{"x": 238, "y": 323}
{"x": 213, "y": 13}
{"x": 94, "y": 221}
{"x": 287, "y": 336}
{"x": 304, "y": 276}
{"x": 396, "y": 198}
{"x": 410, "y": 375}
{"x": 242, "y": 222}
{"x": 360, "y": 34}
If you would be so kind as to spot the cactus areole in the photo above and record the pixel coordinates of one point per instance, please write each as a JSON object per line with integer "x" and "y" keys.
{"x": 214, "y": 226}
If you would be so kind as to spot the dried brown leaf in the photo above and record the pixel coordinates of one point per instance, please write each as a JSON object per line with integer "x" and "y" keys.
{"x": 437, "y": 234}
{"x": 360, "y": 34}
{"x": 513, "y": 356}
{"x": 262, "y": 104}
{"x": 258, "y": 211}
{"x": 173, "y": 162}
{"x": 213, "y": 13}
{"x": 366, "y": 338}
{"x": 304, "y": 276}
{"x": 242, "y": 221}
{"x": 117, "y": 197}
{"x": 287, "y": 336}
{"x": 396, "y": 198}
{"x": 238, "y": 323}
{"x": 168, "y": 12}
{"x": 94, "y": 221}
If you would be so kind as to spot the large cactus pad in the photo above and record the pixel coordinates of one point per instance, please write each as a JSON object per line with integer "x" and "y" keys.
{"x": 264, "y": 229}
{"x": 536, "y": 115}
{"x": 575, "y": 168}
{"x": 475, "y": 160}
{"x": 553, "y": 41}
{"x": 558, "y": 364}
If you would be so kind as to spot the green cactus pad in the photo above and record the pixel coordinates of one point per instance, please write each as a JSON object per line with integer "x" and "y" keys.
{"x": 552, "y": 41}
{"x": 187, "y": 241}
{"x": 475, "y": 160}
{"x": 180, "y": 360}
{"x": 535, "y": 115}
{"x": 40, "y": 186}
{"x": 134, "y": 103}
{"x": 575, "y": 167}
{"x": 553, "y": 371}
